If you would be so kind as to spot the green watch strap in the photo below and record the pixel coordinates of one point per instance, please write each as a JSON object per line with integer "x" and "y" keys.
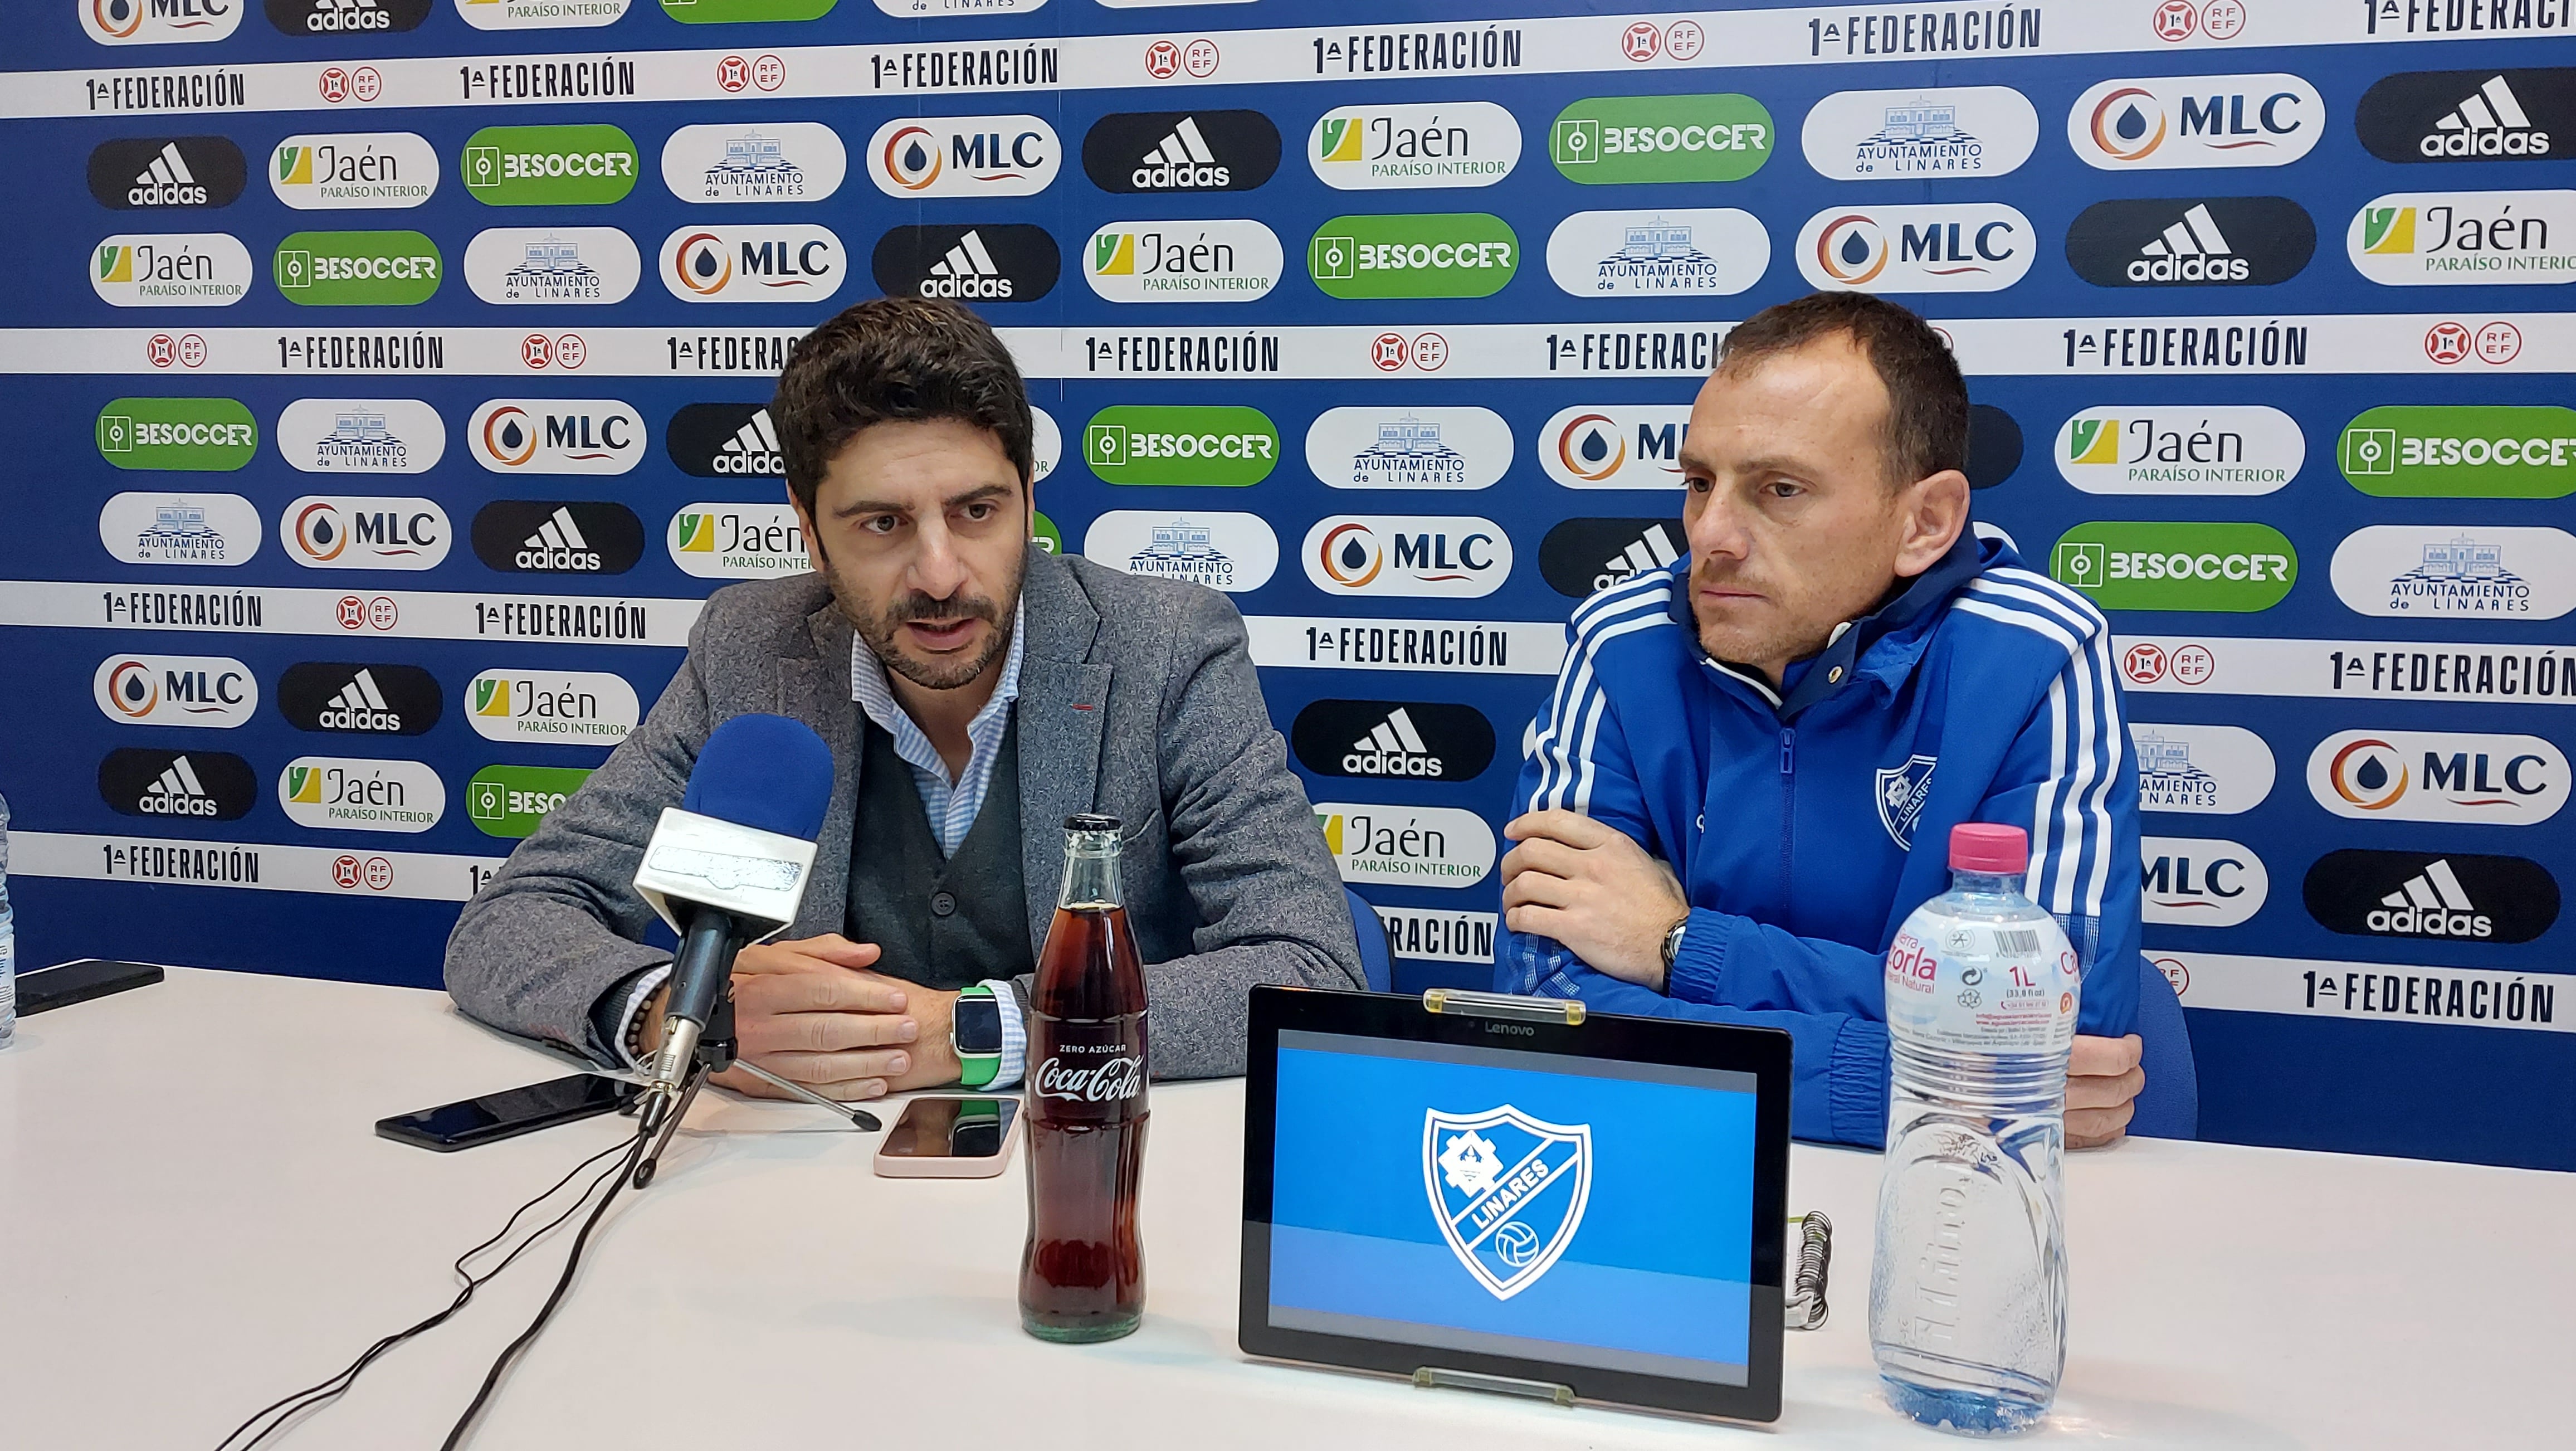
{"x": 975, "y": 1067}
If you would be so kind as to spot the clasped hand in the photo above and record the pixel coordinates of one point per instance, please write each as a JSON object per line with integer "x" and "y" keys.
{"x": 813, "y": 1013}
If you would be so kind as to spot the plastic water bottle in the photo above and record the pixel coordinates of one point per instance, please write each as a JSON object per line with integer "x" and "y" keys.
{"x": 1967, "y": 1297}
{"x": 8, "y": 939}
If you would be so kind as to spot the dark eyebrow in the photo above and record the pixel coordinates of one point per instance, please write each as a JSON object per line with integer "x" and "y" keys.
{"x": 856, "y": 507}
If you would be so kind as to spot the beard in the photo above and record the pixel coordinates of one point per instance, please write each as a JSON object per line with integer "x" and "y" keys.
{"x": 881, "y": 631}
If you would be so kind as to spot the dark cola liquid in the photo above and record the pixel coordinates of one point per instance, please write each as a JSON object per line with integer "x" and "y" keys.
{"x": 1082, "y": 1276}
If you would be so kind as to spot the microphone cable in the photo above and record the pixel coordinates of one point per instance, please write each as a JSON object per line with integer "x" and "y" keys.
{"x": 287, "y": 1408}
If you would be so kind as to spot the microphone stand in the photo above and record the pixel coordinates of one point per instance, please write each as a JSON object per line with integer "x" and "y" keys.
{"x": 713, "y": 1052}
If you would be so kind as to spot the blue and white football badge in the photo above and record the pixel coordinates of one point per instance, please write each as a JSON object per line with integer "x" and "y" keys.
{"x": 1902, "y": 790}
{"x": 1508, "y": 1191}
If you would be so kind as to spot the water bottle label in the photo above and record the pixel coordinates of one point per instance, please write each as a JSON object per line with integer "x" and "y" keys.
{"x": 1987, "y": 987}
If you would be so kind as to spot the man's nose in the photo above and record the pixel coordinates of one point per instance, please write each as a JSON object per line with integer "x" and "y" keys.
{"x": 1719, "y": 529}
{"x": 936, "y": 570}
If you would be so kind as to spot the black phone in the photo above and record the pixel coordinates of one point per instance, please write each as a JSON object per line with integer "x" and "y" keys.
{"x": 78, "y": 981}
{"x": 509, "y": 1113}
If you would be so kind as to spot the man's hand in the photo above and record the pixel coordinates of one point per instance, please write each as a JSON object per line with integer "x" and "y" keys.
{"x": 810, "y": 1012}
{"x": 1590, "y": 887}
{"x": 2102, "y": 1083}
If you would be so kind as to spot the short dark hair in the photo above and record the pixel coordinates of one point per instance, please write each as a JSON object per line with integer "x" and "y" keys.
{"x": 895, "y": 358}
{"x": 1927, "y": 400}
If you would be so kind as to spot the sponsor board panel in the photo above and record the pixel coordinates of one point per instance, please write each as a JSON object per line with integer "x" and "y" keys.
{"x": 2474, "y": 451}
{"x": 1615, "y": 446}
{"x": 2223, "y": 449}
{"x": 595, "y": 436}
{"x": 2384, "y": 992}
{"x": 963, "y": 156}
{"x": 2456, "y": 776}
{"x": 177, "y": 785}
{"x": 513, "y": 801}
{"x": 213, "y": 691}
{"x": 1489, "y": 647}
{"x": 1403, "y": 147}
{"x": 145, "y": 527}
{"x": 1931, "y": 134}
{"x": 781, "y": 263}
{"x": 776, "y": 161}
{"x": 1683, "y": 252}
{"x": 551, "y": 707}
{"x": 1218, "y": 445}
{"x": 2200, "y": 881}
{"x": 364, "y": 611}
{"x": 587, "y": 165}
{"x": 253, "y": 866}
{"x": 2448, "y": 238}
{"x": 1427, "y": 934}
{"x": 2347, "y": 669}
{"x": 738, "y": 541}
{"x": 353, "y": 170}
{"x": 361, "y": 436}
{"x": 2482, "y": 115}
{"x": 156, "y": 173}
{"x": 2488, "y": 572}
{"x": 1959, "y": 247}
{"x": 1362, "y": 447}
{"x": 1181, "y": 151}
{"x": 551, "y": 536}
{"x": 2213, "y": 770}
{"x": 372, "y": 698}
{"x": 1408, "y": 739}
{"x": 2163, "y": 565}
{"x": 346, "y": 793}
{"x": 347, "y": 531}
{"x": 206, "y": 435}
{"x": 1422, "y": 555}
{"x": 1225, "y": 551}
{"x": 1407, "y": 846}
{"x": 2162, "y": 123}
{"x": 170, "y": 269}
{"x": 2437, "y": 896}
{"x": 575, "y": 266}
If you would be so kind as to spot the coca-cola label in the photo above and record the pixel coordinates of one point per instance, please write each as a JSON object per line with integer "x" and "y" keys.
{"x": 1090, "y": 1062}
{"x": 2009, "y": 987}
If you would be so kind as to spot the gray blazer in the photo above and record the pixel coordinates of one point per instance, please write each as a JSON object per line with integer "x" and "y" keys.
{"x": 1137, "y": 698}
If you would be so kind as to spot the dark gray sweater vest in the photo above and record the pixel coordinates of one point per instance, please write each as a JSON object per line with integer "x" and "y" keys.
{"x": 944, "y": 924}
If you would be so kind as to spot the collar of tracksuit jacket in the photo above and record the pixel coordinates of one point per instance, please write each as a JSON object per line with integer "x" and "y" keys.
{"x": 1880, "y": 647}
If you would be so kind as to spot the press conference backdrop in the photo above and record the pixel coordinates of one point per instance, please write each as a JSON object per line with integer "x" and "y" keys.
{"x": 387, "y": 380}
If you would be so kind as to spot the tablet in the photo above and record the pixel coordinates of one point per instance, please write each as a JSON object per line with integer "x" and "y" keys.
{"x": 1509, "y": 1192}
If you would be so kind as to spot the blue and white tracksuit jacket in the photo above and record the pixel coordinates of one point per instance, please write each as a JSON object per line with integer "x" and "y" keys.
{"x": 1804, "y": 830}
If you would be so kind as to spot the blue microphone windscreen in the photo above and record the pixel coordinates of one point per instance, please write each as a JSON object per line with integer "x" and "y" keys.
{"x": 763, "y": 771}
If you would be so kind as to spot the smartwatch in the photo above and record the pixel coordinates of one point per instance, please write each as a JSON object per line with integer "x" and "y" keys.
{"x": 975, "y": 1031}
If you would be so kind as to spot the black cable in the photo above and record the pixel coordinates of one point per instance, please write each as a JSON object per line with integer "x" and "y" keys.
{"x": 289, "y": 1406}
{"x": 572, "y": 1263}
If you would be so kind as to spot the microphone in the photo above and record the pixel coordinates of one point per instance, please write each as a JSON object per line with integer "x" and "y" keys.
{"x": 728, "y": 866}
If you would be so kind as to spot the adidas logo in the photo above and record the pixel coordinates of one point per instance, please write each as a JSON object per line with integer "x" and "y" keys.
{"x": 359, "y": 706}
{"x": 1181, "y": 162}
{"x": 753, "y": 450}
{"x": 328, "y": 17}
{"x": 2491, "y": 122}
{"x": 558, "y": 545}
{"x": 967, "y": 271}
{"x": 2431, "y": 904}
{"x": 1652, "y": 550}
{"x": 2191, "y": 250}
{"x": 167, "y": 182}
{"x": 1393, "y": 748}
{"x": 178, "y": 792}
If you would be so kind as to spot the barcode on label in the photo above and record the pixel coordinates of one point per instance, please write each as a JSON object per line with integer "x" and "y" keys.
{"x": 2016, "y": 942}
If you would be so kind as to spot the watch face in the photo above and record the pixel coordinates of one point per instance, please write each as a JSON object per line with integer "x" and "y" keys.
{"x": 978, "y": 1025}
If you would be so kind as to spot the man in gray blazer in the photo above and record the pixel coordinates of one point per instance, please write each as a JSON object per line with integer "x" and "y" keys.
{"x": 975, "y": 691}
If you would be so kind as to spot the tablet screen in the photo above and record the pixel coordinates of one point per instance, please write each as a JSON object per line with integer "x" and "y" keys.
{"x": 1556, "y": 1208}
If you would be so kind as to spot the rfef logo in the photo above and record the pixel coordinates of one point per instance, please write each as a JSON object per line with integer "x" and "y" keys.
{"x": 1918, "y": 135}
{"x": 781, "y": 161}
{"x": 349, "y": 171}
{"x": 552, "y": 265}
{"x": 1157, "y": 151}
{"x": 785, "y": 263}
{"x": 2191, "y": 242}
{"x": 542, "y": 536}
{"x": 1454, "y": 254}
{"x": 346, "y": 17}
{"x": 2207, "y": 770}
{"x": 725, "y": 441}
{"x": 2164, "y": 123}
{"x": 362, "y": 699}
{"x": 1634, "y": 446}
{"x": 1694, "y": 252}
{"x": 1234, "y": 260}
{"x": 556, "y": 436}
{"x": 1965, "y": 247}
{"x": 1409, "y": 448}
{"x": 548, "y": 166}
{"x": 1581, "y": 557}
{"x": 738, "y": 541}
{"x": 2477, "y": 451}
{"x": 551, "y": 707}
{"x": 2468, "y": 115}
{"x": 2454, "y": 571}
{"x": 170, "y": 269}
{"x": 1409, "y": 846}
{"x": 358, "y": 269}
{"x": 184, "y": 690}
{"x": 361, "y": 436}
{"x": 2142, "y": 564}
{"x": 1224, "y": 551}
{"x": 187, "y": 785}
{"x": 340, "y": 531}
{"x": 1389, "y": 148}
{"x": 2458, "y": 896}
{"x": 2434, "y": 239}
{"x": 513, "y": 801}
{"x": 149, "y": 173}
{"x": 988, "y": 262}
{"x": 1407, "y": 554}
{"x": 2224, "y": 449}
{"x": 343, "y": 793}
{"x": 940, "y": 156}
{"x": 1615, "y": 140}
{"x": 158, "y": 22}
{"x": 169, "y": 528}
{"x": 1220, "y": 445}
{"x": 2501, "y": 780}
{"x": 1404, "y": 739}
{"x": 204, "y": 435}
{"x": 2200, "y": 882}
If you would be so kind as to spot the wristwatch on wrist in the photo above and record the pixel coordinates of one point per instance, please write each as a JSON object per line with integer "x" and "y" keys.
{"x": 975, "y": 1031}
{"x": 1673, "y": 945}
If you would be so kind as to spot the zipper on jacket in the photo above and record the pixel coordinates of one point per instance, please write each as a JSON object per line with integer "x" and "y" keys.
{"x": 1788, "y": 809}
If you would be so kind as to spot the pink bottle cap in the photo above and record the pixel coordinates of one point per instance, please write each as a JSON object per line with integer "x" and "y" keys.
{"x": 1983, "y": 846}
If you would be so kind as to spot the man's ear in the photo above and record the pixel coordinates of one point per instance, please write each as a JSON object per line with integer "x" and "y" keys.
{"x": 813, "y": 540}
{"x": 1934, "y": 510}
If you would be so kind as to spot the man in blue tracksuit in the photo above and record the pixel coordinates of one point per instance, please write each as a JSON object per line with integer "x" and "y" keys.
{"x": 1748, "y": 771}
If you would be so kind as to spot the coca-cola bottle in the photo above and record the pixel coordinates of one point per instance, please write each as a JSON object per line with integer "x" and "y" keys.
{"x": 1082, "y": 1277}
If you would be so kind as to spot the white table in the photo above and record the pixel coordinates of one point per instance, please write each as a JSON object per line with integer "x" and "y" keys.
{"x": 200, "y": 1219}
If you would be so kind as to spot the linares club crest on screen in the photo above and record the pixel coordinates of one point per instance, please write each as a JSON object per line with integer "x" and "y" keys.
{"x": 1508, "y": 1190}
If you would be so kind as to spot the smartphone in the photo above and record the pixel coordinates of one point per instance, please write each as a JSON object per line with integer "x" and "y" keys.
{"x": 950, "y": 1138}
{"x": 509, "y": 1113}
{"x": 78, "y": 981}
